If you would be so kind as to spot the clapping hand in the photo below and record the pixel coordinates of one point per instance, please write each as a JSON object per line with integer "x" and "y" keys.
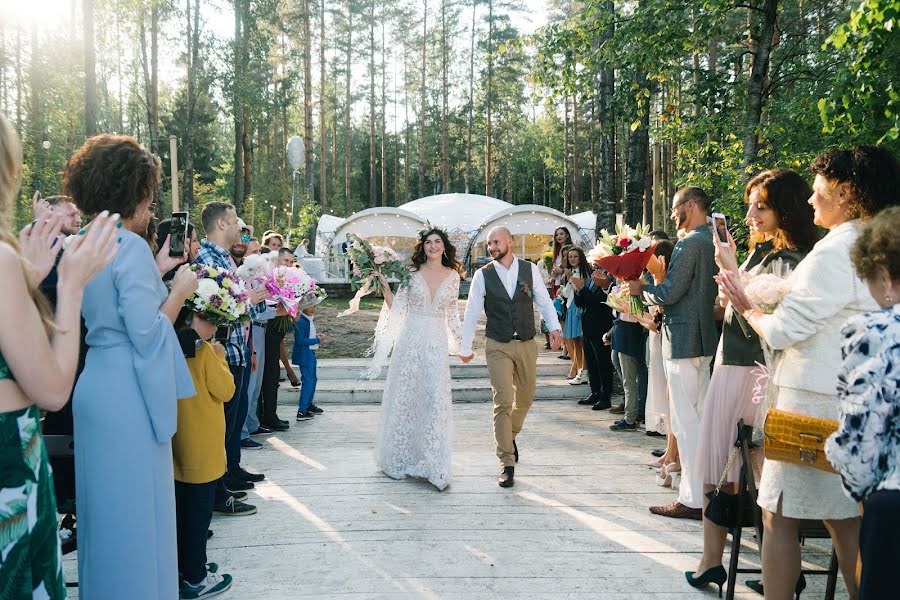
{"x": 40, "y": 243}
{"x": 39, "y": 206}
{"x": 656, "y": 266}
{"x": 89, "y": 252}
{"x": 601, "y": 279}
{"x": 577, "y": 283}
{"x": 732, "y": 288}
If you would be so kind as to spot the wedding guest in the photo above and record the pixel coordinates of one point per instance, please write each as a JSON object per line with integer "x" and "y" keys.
{"x": 657, "y": 410}
{"x": 780, "y": 218}
{"x": 239, "y": 249}
{"x": 273, "y": 241}
{"x": 561, "y": 239}
{"x": 596, "y": 320}
{"x": 866, "y": 447}
{"x": 198, "y": 453}
{"x": 687, "y": 294}
{"x": 575, "y": 265}
{"x": 851, "y": 186}
{"x": 164, "y": 232}
{"x": 306, "y": 341}
{"x": 223, "y": 230}
{"x": 36, "y": 372}
{"x": 126, "y": 397}
{"x": 628, "y": 341}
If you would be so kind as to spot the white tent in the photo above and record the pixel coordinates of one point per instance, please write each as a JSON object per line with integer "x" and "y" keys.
{"x": 587, "y": 223}
{"x": 385, "y": 225}
{"x": 465, "y": 212}
{"x": 532, "y": 226}
{"x": 328, "y": 224}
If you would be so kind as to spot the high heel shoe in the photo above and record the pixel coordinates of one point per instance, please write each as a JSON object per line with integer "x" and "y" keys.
{"x": 757, "y": 586}
{"x": 663, "y": 478}
{"x": 716, "y": 575}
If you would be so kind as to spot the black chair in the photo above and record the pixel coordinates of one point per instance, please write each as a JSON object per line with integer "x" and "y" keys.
{"x": 809, "y": 528}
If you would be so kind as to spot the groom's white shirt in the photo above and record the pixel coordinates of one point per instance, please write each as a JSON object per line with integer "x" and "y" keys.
{"x": 509, "y": 277}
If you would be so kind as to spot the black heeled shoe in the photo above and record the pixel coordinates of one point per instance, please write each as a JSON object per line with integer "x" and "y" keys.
{"x": 757, "y": 586}
{"x": 717, "y": 575}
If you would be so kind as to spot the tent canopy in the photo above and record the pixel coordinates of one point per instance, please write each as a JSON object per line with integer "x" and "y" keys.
{"x": 394, "y": 227}
{"x": 452, "y": 212}
{"x": 532, "y": 226}
{"x": 587, "y": 223}
{"x": 328, "y": 224}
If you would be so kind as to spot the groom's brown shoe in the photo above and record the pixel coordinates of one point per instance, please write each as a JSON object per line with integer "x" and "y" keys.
{"x": 506, "y": 477}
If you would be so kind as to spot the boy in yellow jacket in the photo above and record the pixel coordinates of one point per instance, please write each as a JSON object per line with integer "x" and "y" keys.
{"x": 198, "y": 455}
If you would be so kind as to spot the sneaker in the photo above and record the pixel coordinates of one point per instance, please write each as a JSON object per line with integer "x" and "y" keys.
{"x": 236, "y": 484}
{"x": 212, "y": 567}
{"x": 315, "y": 409}
{"x": 213, "y": 585}
{"x": 249, "y": 444}
{"x": 245, "y": 475}
{"x": 263, "y": 431}
{"x": 623, "y": 425}
{"x": 240, "y": 496}
{"x": 233, "y": 508}
{"x": 304, "y": 416}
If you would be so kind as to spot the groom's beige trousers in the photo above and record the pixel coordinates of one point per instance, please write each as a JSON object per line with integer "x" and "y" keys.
{"x": 512, "y": 367}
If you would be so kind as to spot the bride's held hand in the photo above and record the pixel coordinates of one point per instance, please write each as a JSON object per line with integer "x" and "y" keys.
{"x": 90, "y": 251}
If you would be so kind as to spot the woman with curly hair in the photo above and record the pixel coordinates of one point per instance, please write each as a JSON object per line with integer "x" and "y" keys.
{"x": 126, "y": 399}
{"x": 865, "y": 449}
{"x": 851, "y": 187}
{"x": 419, "y": 328}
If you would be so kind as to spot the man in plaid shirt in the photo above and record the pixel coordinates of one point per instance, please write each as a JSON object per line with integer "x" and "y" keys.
{"x": 223, "y": 231}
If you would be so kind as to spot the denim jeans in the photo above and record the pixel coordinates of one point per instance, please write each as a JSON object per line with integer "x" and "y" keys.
{"x": 251, "y": 423}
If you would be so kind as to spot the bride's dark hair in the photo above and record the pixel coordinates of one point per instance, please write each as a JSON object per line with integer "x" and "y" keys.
{"x": 448, "y": 258}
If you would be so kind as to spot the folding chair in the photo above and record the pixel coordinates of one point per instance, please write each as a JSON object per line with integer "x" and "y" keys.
{"x": 809, "y": 528}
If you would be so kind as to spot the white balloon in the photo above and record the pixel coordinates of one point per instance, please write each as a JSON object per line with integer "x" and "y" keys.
{"x": 296, "y": 152}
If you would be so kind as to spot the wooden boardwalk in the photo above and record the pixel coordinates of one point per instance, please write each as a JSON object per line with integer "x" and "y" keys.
{"x": 575, "y": 525}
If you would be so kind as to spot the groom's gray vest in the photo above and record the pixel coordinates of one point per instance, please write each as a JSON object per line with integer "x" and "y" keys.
{"x": 508, "y": 316}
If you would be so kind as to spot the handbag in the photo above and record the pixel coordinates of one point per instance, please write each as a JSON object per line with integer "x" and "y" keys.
{"x": 797, "y": 439}
{"x": 722, "y": 508}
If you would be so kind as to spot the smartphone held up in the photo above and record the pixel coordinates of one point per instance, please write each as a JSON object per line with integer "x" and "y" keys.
{"x": 721, "y": 228}
{"x": 178, "y": 235}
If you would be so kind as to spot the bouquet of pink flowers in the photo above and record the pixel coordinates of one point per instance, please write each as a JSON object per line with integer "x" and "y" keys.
{"x": 624, "y": 256}
{"x": 221, "y": 297}
{"x": 370, "y": 259}
{"x": 766, "y": 290}
{"x": 288, "y": 286}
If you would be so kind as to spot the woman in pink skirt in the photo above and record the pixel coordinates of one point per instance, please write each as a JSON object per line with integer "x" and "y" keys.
{"x": 780, "y": 217}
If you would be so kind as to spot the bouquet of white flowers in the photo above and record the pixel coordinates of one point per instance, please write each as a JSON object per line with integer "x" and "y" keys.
{"x": 221, "y": 297}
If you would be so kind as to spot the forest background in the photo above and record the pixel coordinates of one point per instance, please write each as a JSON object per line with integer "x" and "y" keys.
{"x": 608, "y": 106}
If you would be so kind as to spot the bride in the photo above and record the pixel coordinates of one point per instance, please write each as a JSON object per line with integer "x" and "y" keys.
{"x": 421, "y": 326}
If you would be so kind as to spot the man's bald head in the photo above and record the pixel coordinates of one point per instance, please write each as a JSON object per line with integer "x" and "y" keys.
{"x": 500, "y": 231}
{"x": 499, "y": 242}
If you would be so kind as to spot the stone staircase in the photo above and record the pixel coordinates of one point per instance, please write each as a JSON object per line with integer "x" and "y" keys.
{"x": 340, "y": 382}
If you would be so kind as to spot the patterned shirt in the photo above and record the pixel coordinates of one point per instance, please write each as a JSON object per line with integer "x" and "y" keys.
{"x": 215, "y": 256}
{"x": 866, "y": 447}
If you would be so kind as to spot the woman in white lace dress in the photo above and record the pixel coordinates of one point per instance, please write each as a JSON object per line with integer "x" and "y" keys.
{"x": 419, "y": 329}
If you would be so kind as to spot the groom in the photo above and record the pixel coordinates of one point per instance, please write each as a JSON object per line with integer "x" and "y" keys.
{"x": 505, "y": 289}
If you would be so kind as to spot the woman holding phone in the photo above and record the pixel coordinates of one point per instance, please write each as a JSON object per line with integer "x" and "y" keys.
{"x": 575, "y": 265}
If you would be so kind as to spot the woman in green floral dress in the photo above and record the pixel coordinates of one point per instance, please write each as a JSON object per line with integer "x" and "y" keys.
{"x": 36, "y": 372}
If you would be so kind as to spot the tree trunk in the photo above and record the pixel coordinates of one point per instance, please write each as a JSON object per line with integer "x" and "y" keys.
{"x": 468, "y": 174}
{"x": 20, "y": 81}
{"x": 565, "y": 153}
{"x": 756, "y": 86}
{"x": 488, "y": 165}
{"x": 193, "y": 50}
{"x": 606, "y": 180}
{"x": 384, "y": 182}
{"x": 347, "y": 106}
{"x": 248, "y": 158}
{"x": 373, "y": 193}
{"x": 237, "y": 108}
{"x": 90, "y": 70}
{"x": 307, "y": 101}
{"x": 422, "y": 104}
{"x": 576, "y": 167}
{"x": 154, "y": 79}
{"x": 323, "y": 152}
{"x": 445, "y": 135}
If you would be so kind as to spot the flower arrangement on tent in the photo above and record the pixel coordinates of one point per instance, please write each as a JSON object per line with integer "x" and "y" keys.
{"x": 624, "y": 256}
{"x": 221, "y": 297}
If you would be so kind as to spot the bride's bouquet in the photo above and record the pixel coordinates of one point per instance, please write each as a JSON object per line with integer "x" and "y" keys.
{"x": 368, "y": 261}
{"x": 624, "y": 256}
{"x": 221, "y": 297}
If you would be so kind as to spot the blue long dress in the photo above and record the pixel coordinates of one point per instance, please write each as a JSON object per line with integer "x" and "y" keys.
{"x": 125, "y": 409}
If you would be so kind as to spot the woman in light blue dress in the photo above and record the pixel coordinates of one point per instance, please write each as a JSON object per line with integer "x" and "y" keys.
{"x": 126, "y": 399}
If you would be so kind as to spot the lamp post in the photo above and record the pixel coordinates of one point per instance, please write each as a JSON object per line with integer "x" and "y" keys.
{"x": 273, "y": 216}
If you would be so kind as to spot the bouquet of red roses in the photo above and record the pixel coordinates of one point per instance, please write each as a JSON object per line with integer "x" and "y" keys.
{"x": 624, "y": 256}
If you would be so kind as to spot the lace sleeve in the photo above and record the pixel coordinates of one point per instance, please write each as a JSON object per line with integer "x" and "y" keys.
{"x": 454, "y": 325}
{"x": 390, "y": 322}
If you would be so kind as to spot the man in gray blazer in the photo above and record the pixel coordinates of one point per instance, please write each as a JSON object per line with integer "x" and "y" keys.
{"x": 689, "y": 338}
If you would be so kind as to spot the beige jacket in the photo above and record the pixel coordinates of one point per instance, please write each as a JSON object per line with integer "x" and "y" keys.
{"x": 825, "y": 292}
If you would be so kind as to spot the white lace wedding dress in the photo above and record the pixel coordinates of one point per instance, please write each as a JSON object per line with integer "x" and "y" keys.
{"x": 415, "y": 423}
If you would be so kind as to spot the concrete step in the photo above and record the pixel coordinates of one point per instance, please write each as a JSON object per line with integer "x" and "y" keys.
{"x": 344, "y": 369}
{"x": 464, "y": 390}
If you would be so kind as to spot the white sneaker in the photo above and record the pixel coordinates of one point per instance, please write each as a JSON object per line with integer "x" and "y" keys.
{"x": 213, "y": 585}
